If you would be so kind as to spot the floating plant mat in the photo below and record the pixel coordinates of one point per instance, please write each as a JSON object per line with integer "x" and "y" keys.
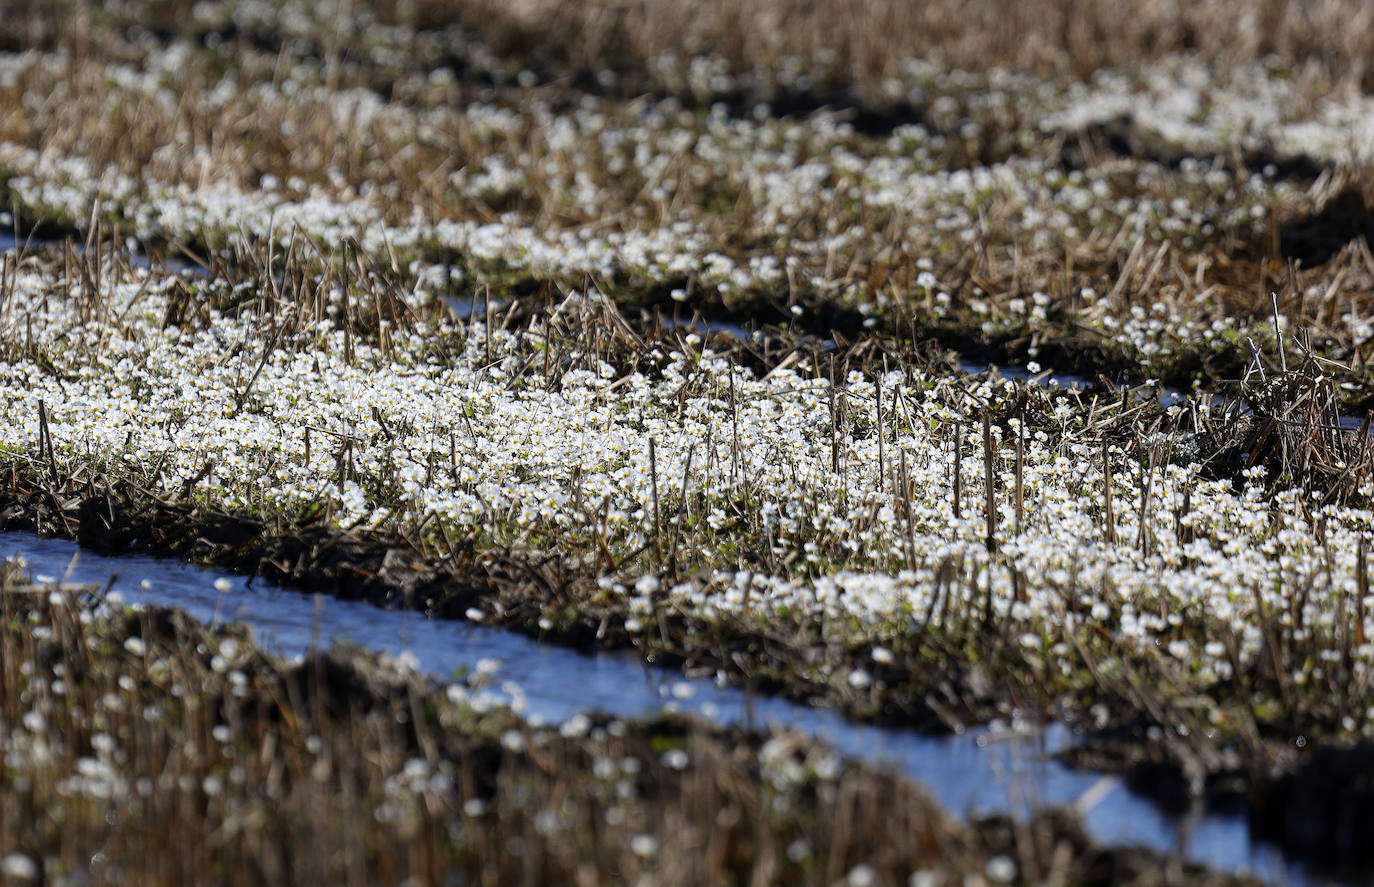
{"x": 978, "y": 772}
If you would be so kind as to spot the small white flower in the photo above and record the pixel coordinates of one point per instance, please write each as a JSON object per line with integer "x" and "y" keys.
{"x": 1001, "y": 870}
{"x": 19, "y": 867}
{"x": 576, "y": 726}
{"x": 862, "y": 875}
{"x": 925, "y": 878}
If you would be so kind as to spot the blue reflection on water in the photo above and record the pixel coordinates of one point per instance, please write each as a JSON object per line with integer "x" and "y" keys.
{"x": 978, "y": 772}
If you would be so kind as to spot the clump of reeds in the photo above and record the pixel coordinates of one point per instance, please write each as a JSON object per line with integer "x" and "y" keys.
{"x": 1286, "y": 426}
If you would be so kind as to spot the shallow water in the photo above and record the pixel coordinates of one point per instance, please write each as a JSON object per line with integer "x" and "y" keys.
{"x": 706, "y": 326}
{"x": 980, "y": 771}
{"x": 465, "y": 309}
{"x": 1167, "y": 396}
{"x": 137, "y": 259}
{"x": 1050, "y": 379}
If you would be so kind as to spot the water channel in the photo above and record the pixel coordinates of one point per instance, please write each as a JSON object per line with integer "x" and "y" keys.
{"x": 977, "y": 772}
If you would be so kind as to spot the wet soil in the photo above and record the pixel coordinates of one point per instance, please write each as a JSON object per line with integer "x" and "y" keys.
{"x": 1315, "y": 238}
{"x": 1125, "y": 137}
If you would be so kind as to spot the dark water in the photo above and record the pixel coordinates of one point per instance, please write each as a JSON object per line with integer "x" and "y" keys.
{"x": 980, "y": 771}
{"x": 137, "y": 258}
{"x": 1068, "y": 381}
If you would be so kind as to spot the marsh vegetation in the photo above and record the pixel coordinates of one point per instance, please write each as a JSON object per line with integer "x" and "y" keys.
{"x": 440, "y": 335}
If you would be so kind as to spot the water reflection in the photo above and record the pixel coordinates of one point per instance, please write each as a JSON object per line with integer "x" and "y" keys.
{"x": 1010, "y": 768}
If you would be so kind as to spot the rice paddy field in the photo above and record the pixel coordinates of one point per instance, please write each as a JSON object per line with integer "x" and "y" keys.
{"x": 941, "y": 364}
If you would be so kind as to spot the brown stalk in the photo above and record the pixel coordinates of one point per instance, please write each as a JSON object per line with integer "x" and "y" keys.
{"x": 45, "y": 443}
{"x": 958, "y": 441}
{"x": 658, "y": 516}
{"x": 1109, "y": 530}
{"x": 989, "y": 487}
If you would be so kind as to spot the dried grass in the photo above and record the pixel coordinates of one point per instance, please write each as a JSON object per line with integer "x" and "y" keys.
{"x": 865, "y": 42}
{"x": 1287, "y": 426}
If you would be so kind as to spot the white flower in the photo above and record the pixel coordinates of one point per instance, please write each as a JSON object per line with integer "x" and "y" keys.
{"x": 1000, "y": 870}
{"x": 862, "y": 876}
{"x": 19, "y": 867}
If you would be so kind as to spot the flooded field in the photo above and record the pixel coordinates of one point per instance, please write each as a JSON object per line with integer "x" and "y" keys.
{"x": 977, "y": 773}
{"x": 980, "y": 389}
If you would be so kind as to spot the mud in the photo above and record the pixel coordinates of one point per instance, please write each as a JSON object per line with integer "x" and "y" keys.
{"x": 1125, "y": 137}
{"x": 1314, "y": 239}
